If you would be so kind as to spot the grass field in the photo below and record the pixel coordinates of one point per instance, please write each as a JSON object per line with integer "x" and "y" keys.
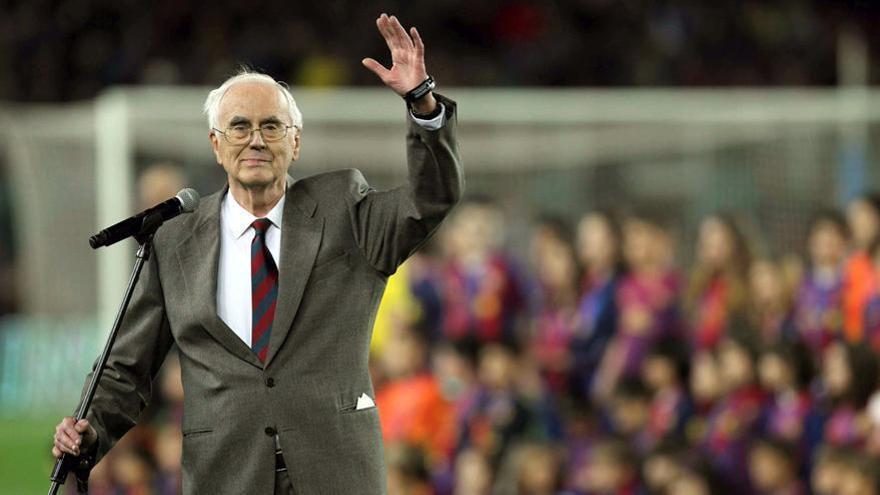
{"x": 25, "y": 461}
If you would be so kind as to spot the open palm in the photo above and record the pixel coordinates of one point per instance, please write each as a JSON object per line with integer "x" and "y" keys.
{"x": 407, "y": 56}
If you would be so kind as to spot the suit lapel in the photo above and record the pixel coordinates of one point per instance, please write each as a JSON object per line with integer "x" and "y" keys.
{"x": 199, "y": 258}
{"x": 300, "y": 239}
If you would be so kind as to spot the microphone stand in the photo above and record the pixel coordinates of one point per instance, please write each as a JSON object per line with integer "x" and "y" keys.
{"x": 67, "y": 462}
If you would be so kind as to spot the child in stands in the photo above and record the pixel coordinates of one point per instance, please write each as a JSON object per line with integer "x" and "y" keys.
{"x": 773, "y": 468}
{"x": 818, "y": 312}
{"x": 716, "y": 293}
{"x": 731, "y": 424}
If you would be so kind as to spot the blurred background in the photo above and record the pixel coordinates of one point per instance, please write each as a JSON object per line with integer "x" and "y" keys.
{"x": 665, "y": 277}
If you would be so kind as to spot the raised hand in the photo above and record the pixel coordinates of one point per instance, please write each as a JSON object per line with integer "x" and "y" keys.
{"x": 407, "y": 61}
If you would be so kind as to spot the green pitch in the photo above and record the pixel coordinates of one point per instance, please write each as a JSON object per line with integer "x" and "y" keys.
{"x": 25, "y": 460}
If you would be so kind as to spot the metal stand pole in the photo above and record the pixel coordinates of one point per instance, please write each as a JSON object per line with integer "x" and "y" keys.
{"x": 68, "y": 462}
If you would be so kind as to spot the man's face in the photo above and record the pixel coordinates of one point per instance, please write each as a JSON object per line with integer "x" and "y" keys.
{"x": 256, "y": 163}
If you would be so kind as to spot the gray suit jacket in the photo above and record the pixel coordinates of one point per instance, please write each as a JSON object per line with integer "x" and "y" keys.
{"x": 340, "y": 241}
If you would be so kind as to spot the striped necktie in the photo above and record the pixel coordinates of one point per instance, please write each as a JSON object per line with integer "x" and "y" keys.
{"x": 264, "y": 289}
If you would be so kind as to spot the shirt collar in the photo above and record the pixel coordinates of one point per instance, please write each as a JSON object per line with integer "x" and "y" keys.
{"x": 238, "y": 220}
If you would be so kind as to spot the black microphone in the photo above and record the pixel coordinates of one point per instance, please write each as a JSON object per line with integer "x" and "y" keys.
{"x": 185, "y": 202}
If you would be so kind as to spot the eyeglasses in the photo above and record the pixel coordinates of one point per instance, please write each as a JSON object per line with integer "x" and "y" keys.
{"x": 241, "y": 133}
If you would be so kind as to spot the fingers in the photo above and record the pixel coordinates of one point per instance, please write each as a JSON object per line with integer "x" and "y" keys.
{"x": 385, "y": 27}
{"x": 67, "y": 436}
{"x": 376, "y": 67}
{"x": 70, "y": 437}
{"x": 393, "y": 32}
{"x": 82, "y": 425}
{"x": 417, "y": 42}
{"x": 403, "y": 39}
{"x": 382, "y": 24}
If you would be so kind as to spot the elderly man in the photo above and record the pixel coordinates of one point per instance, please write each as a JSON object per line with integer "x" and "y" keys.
{"x": 269, "y": 290}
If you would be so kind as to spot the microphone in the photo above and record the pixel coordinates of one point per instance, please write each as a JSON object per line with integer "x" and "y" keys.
{"x": 186, "y": 201}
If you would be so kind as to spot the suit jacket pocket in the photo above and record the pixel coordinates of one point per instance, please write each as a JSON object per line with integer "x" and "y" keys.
{"x": 346, "y": 401}
{"x": 334, "y": 266}
{"x": 195, "y": 432}
{"x": 352, "y": 408}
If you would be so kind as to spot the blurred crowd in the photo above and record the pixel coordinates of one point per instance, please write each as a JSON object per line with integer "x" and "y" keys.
{"x": 597, "y": 365}
{"x": 58, "y": 50}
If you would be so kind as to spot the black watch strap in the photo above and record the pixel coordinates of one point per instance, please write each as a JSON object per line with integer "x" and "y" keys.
{"x": 421, "y": 90}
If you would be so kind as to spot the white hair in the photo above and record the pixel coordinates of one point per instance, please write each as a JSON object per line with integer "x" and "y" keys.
{"x": 212, "y": 102}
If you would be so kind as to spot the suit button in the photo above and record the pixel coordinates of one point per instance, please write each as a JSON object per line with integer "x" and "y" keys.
{"x": 270, "y": 431}
{"x": 270, "y": 382}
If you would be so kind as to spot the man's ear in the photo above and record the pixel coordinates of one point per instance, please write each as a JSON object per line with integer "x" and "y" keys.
{"x": 215, "y": 146}
{"x": 297, "y": 140}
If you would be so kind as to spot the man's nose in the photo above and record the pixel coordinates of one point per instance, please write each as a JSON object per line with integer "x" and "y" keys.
{"x": 257, "y": 139}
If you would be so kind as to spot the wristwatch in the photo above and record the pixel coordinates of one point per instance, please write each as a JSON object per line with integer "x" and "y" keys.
{"x": 421, "y": 90}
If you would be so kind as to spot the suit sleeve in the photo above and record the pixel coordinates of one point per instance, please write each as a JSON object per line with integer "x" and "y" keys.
{"x": 141, "y": 345}
{"x": 390, "y": 225}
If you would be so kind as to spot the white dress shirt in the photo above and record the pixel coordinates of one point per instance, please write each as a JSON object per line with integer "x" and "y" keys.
{"x": 234, "y": 272}
{"x": 431, "y": 124}
{"x": 236, "y": 235}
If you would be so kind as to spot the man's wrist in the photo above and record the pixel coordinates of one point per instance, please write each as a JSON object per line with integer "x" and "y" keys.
{"x": 425, "y": 107}
{"x": 418, "y": 92}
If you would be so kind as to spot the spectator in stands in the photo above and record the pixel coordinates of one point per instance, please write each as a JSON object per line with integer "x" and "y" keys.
{"x": 819, "y": 303}
{"x": 612, "y": 470}
{"x": 872, "y": 445}
{"x": 582, "y": 434}
{"x": 424, "y": 292}
{"x": 628, "y": 414}
{"x": 863, "y": 215}
{"x": 169, "y": 404}
{"x": 716, "y": 294}
{"x": 158, "y": 182}
{"x": 600, "y": 251}
{"x": 454, "y": 368}
{"x": 705, "y": 383}
{"x": 849, "y": 377}
{"x": 770, "y": 302}
{"x": 555, "y": 268}
{"x": 530, "y": 468}
{"x": 731, "y": 424}
{"x": 871, "y": 316}
{"x": 493, "y": 414}
{"x": 827, "y": 474}
{"x": 134, "y": 467}
{"x": 647, "y": 302}
{"x": 773, "y": 468}
{"x": 785, "y": 372}
{"x": 693, "y": 482}
{"x": 408, "y": 472}
{"x": 168, "y": 450}
{"x": 542, "y": 403}
{"x": 414, "y": 409}
{"x": 665, "y": 371}
{"x": 860, "y": 475}
{"x": 398, "y": 311}
{"x": 664, "y": 464}
{"x": 473, "y": 474}
{"x": 483, "y": 290}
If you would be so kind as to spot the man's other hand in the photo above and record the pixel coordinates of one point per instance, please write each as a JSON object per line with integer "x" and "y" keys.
{"x": 73, "y": 438}
{"x": 407, "y": 61}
